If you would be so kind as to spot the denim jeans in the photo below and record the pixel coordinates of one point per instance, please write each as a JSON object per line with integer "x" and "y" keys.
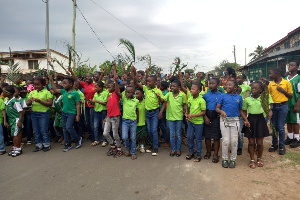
{"x": 2, "y": 145}
{"x": 40, "y": 124}
{"x": 68, "y": 127}
{"x": 98, "y": 122}
{"x": 78, "y": 126}
{"x": 175, "y": 134}
{"x": 28, "y": 125}
{"x": 241, "y": 135}
{"x": 195, "y": 131}
{"x": 129, "y": 126}
{"x": 89, "y": 117}
{"x": 152, "y": 124}
{"x": 280, "y": 111}
{"x": 162, "y": 123}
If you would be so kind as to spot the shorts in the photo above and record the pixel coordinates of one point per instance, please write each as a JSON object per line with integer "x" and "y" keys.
{"x": 292, "y": 118}
{"x": 58, "y": 120}
{"x": 14, "y": 129}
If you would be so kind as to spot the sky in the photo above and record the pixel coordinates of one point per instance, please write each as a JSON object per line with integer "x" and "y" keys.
{"x": 199, "y": 32}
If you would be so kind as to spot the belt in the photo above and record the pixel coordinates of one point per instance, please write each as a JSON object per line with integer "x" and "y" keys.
{"x": 152, "y": 110}
{"x": 282, "y": 103}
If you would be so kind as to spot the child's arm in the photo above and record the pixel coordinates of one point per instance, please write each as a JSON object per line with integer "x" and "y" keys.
{"x": 47, "y": 103}
{"x": 100, "y": 102}
{"x": 288, "y": 95}
{"x": 78, "y": 111}
{"x": 72, "y": 74}
{"x": 54, "y": 85}
{"x": 184, "y": 108}
{"x": 117, "y": 90}
{"x": 159, "y": 98}
{"x": 160, "y": 115}
{"x": 102, "y": 74}
{"x": 202, "y": 113}
{"x": 21, "y": 114}
{"x": 135, "y": 78}
{"x": 5, "y": 118}
{"x": 246, "y": 122}
{"x": 296, "y": 107}
{"x": 137, "y": 115}
{"x": 182, "y": 84}
{"x": 221, "y": 112}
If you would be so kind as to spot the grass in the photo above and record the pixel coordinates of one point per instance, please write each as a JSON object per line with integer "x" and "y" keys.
{"x": 290, "y": 159}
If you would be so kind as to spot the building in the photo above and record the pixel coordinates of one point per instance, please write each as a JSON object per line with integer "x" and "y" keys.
{"x": 277, "y": 55}
{"x": 31, "y": 60}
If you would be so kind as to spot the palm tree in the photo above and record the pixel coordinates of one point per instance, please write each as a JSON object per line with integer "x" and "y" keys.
{"x": 257, "y": 52}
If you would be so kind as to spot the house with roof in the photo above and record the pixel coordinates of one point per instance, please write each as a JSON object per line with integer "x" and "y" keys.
{"x": 278, "y": 55}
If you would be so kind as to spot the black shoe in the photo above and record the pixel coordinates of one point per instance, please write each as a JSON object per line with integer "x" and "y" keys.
{"x": 67, "y": 148}
{"x": 288, "y": 141}
{"x": 232, "y": 164}
{"x": 37, "y": 149}
{"x": 295, "y": 143}
{"x": 46, "y": 148}
{"x": 225, "y": 163}
{"x": 273, "y": 148}
{"x": 239, "y": 152}
{"x": 172, "y": 153}
{"x": 281, "y": 150}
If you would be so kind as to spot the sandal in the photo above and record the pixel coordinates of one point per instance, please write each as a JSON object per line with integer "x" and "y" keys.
{"x": 172, "y": 153}
{"x": 178, "y": 154}
{"x": 95, "y": 143}
{"x": 197, "y": 159}
{"x": 133, "y": 157}
{"x": 252, "y": 164}
{"x": 189, "y": 156}
{"x": 207, "y": 155}
{"x": 215, "y": 159}
{"x": 260, "y": 162}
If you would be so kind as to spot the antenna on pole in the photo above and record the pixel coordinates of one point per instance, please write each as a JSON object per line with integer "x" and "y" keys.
{"x": 73, "y": 31}
{"x": 47, "y": 33}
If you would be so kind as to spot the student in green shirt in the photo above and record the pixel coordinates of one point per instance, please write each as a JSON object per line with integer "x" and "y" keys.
{"x": 258, "y": 126}
{"x": 176, "y": 107}
{"x": 100, "y": 112}
{"x": 57, "y": 102}
{"x": 2, "y": 119}
{"x": 41, "y": 101}
{"x": 70, "y": 111}
{"x": 79, "y": 125}
{"x": 141, "y": 132}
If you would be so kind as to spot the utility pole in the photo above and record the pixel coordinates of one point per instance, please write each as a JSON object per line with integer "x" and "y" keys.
{"x": 73, "y": 30}
{"x": 47, "y": 34}
{"x": 234, "y": 54}
{"x": 245, "y": 56}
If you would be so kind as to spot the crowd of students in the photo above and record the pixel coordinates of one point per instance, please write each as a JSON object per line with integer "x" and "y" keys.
{"x": 139, "y": 112}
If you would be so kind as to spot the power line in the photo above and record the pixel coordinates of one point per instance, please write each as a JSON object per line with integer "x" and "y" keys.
{"x": 94, "y": 32}
{"x": 130, "y": 28}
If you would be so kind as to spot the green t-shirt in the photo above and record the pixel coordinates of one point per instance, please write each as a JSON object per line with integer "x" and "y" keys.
{"x": 142, "y": 113}
{"x": 129, "y": 107}
{"x": 151, "y": 100}
{"x": 100, "y": 97}
{"x": 295, "y": 82}
{"x": 81, "y": 95}
{"x": 43, "y": 95}
{"x": 252, "y": 105}
{"x": 2, "y": 107}
{"x": 196, "y": 105}
{"x": 13, "y": 107}
{"x": 245, "y": 88}
{"x": 69, "y": 101}
{"x": 175, "y": 106}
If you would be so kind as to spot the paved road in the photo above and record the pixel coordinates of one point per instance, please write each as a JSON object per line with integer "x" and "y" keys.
{"x": 87, "y": 173}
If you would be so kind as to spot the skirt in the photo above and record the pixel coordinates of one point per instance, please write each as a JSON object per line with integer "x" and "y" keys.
{"x": 212, "y": 131}
{"x": 258, "y": 127}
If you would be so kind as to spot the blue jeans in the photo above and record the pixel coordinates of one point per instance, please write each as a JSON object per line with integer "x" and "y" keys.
{"x": 152, "y": 124}
{"x": 175, "y": 132}
{"x": 162, "y": 123}
{"x": 241, "y": 135}
{"x": 129, "y": 126}
{"x": 280, "y": 111}
{"x": 98, "y": 122}
{"x": 89, "y": 117}
{"x": 40, "y": 124}
{"x": 68, "y": 127}
{"x": 28, "y": 125}
{"x": 79, "y": 125}
{"x": 2, "y": 145}
{"x": 195, "y": 131}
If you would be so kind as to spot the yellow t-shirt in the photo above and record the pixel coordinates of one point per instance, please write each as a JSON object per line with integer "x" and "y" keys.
{"x": 277, "y": 96}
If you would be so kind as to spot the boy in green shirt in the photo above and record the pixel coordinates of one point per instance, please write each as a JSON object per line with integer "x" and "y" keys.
{"x": 141, "y": 126}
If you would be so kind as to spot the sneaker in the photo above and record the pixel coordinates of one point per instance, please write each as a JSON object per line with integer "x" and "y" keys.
{"x": 155, "y": 152}
{"x": 142, "y": 149}
{"x": 148, "y": 150}
{"x": 79, "y": 143}
{"x": 273, "y": 148}
{"x": 281, "y": 150}
{"x": 295, "y": 143}
{"x": 67, "y": 148}
{"x": 111, "y": 151}
{"x": 37, "y": 149}
{"x": 29, "y": 142}
{"x": 16, "y": 153}
{"x": 225, "y": 163}
{"x": 46, "y": 148}
{"x": 118, "y": 153}
{"x": 104, "y": 144}
{"x": 11, "y": 152}
{"x": 239, "y": 152}
{"x": 288, "y": 141}
{"x": 232, "y": 164}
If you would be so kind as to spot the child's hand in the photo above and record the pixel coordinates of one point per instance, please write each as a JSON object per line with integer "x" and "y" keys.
{"x": 247, "y": 124}
{"x": 223, "y": 114}
{"x": 104, "y": 121}
{"x": 189, "y": 117}
{"x": 77, "y": 118}
{"x": 6, "y": 124}
{"x": 103, "y": 70}
{"x": 93, "y": 101}
{"x": 158, "y": 95}
{"x": 270, "y": 114}
{"x": 206, "y": 120}
{"x": 19, "y": 124}
{"x": 160, "y": 116}
{"x": 296, "y": 109}
{"x": 280, "y": 89}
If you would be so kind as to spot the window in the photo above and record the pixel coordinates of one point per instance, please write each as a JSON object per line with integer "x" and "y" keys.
{"x": 278, "y": 49}
{"x": 297, "y": 43}
{"x": 33, "y": 64}
{"x": 287, "y": 45}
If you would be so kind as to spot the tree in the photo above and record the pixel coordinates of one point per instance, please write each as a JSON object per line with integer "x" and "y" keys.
{"x": 257, "y": 52}
{"x": 219, "y": 69}
{"x": 130, "y": 59}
